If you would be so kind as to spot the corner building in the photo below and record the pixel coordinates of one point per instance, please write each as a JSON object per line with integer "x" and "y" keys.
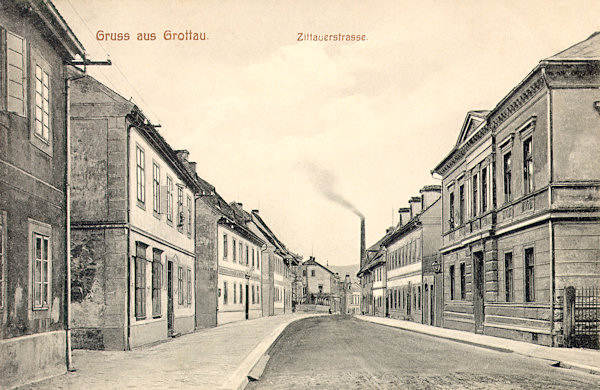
{"x": 133, "y": 260}
{"x": 521, "y": 192}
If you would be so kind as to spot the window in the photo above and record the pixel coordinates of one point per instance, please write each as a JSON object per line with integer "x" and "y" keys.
{"x": 527, "y": 167}
{"x": 241, "y": 294}
{"x": 529, "y": 276}
{"x": 320, "y": 289}
{"x": 484, "y": 190}
{"x": 507, "y": 177}
{"x": 233, "y": 252}
{"x": 257, "y": 295}
{"x": 463, "y": 282}
{"x": 189, "y": 216}
{"x": 240, "y": 248}
{"x": 461, "y": 204}
{"x": 475, "y": 194}
{"x": 247, "y": 256}
{"x": 169, "y": 199}
{"x": 509, "y": 276}
{"x": 139, "y": 174}
{"x": 252, "y": 294}
{"x": 189, "y": 287}
{"x": 42, "y": 104}
{"x": 16, "y": 70}
{"x": 225, "y": 248}
{"x": 180, "y": 214}
{"x": 451, "y": 220}
{"x": 180, "y": 290}
{"x": 140, "y": 280}
{"x": 252, "y": 257}
{"x": 156, "y": 188}
{"x": 41, "y": 269}
{"x": 303, "y": 272}
{"x": 451, "y": 282}
{"x": 156, "y": 282}
{"x": 235, "y": 293}
{"x": 419, "y": 290}
{"x": 257, "y": 259}
{"x": 224, "y": 293}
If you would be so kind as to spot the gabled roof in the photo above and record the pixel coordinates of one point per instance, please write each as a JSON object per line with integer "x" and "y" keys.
{"x": 311, "y": 261}
{"x": 280, "y": 248}
{"x": 472, "y": 121}
{"x": 588, "y": 49}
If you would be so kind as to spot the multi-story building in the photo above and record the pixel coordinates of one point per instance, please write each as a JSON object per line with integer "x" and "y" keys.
{"x": 278, "y": 273}
{"x": 372, "y": 278}
{"x": 36, "y": 43}
{"x": 354, "y": 305}
{"x": 412, "y": 244}
{"x": 319, "y": 284}
{"x": 239, "y": 267}
{"x": 520, "y": 202}
{"x": 133, "y": 260}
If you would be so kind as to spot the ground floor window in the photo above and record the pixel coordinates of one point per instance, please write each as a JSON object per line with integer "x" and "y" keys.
{"x": 157, "y": 271}
{"x": 509, "y": 276}
{"x": 140, "y": 280}
{"x": 529, "y": 276}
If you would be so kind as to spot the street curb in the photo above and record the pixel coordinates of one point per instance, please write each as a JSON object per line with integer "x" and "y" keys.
{"x": 554, "y": 362}
{"x": 239, "y": 378}
{"x": 480, "y": 345}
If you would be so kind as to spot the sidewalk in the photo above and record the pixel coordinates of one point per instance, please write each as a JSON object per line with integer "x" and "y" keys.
{"x": 215, "y": 358}
{"x": 577, "y": 358}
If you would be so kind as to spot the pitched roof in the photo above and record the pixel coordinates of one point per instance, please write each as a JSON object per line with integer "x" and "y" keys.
{"x": 588, "y": 49}
{"x": 264, "y": 229}
{"x": 312, "y": 261}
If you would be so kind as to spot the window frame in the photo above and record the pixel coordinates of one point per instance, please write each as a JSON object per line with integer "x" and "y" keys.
{"x": 507, "y": 176}
{"x": 155, "y": 189}
{"x": 170, "y": 188}
{"x": 140, "y": 264}
{"x": 529, "y": 274}
{"x": 157, "y": 272}
{"x": 41, "y": 285}
{"x": 140, "y": 176}
{"x": 528, "y": 185}
{"x": 484, "y": 189}
{"x": 475, "y": 194}
{"x": 225, "y": 247}
{"x": 463, "y": 281}
{"x": 452, "y": 275}
{"x": 6, "y": 82}
{"x": 509, "y": 281}
{"x": 180, "y": 286}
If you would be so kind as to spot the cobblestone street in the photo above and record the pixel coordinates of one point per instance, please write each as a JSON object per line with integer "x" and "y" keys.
{"x": 345, "y": 353}
{"x": 205, "y": 360}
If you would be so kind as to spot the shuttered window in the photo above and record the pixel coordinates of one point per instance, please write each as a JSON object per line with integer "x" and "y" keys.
{"x": 16, "y": 74}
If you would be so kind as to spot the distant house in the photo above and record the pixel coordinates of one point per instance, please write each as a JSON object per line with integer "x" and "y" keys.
{"x": 35, "y": 45}
{"x": 372, "y": 276}
{"x": 410, "y": 250}
{"x": 520, "y": 203}
{"x": 278, "y": 269}
{"x": 320, "y": 284}
{"x": 133, "y": 259}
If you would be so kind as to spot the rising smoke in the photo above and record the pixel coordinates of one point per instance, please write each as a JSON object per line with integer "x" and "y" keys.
{"x": 324, "y": 181}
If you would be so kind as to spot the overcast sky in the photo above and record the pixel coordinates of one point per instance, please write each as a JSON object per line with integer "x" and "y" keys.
{"x": 282, "y": 125}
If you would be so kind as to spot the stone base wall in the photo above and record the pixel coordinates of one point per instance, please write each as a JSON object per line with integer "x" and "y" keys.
{"x": 17, "y": 365}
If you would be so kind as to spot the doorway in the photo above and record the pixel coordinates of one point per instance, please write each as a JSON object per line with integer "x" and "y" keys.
{"x": 478, "y": 291}
{"x": 170, "y": 317}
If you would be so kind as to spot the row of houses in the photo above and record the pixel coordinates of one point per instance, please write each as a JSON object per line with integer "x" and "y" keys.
{"x": 109, "y": 239}
{"x": 514, "y": 222}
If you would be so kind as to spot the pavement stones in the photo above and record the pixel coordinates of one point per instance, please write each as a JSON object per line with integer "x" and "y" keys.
{"x": 575, "y": 358}
{"x": 215, "y": 358}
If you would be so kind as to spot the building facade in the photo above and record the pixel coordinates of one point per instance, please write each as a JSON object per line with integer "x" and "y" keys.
{"x": 35, "y": 45}
{"x": 520, "y": 202}
{"x": 133, "y": 260}
{"x": 278, "y": 272}
{"x": 319, "y": 285}
{"x": 410, "y": 249}
{"x": 239, "y": 269}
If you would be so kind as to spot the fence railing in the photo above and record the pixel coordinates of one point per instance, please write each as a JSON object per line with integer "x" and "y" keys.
{"x": 581, "y": 317}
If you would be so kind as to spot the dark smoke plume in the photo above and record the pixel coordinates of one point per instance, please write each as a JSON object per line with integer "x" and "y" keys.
{"x": 324, "y": 181}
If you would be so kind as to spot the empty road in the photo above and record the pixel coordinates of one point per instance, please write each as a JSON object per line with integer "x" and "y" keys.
{"x": 345, "y": 353}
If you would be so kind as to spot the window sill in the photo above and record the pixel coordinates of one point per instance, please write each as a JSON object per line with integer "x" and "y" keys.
{"x": 140, "y": 204}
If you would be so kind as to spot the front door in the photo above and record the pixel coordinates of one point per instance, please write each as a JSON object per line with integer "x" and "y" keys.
{"x": 170, "y": 318}
{"x": 478, "y": 291}
{"x": 246, "y": 304}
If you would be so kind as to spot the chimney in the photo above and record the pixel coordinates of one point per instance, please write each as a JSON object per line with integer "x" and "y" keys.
{"x": 182, "y": 154}
{"x": 347, "y": 279}
{"x": 404, "y": 213}
{"x": 388, "y": 230}
{"x": 192, "y": 166}
{"x": 415, "y": 206}
{"x": 430, "y": 194}
{"x": 363, "y": 251}
{"x": 255, "y": 211}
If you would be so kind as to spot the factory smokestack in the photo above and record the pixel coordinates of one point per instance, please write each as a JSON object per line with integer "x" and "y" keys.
{"x": 363, "y": 250}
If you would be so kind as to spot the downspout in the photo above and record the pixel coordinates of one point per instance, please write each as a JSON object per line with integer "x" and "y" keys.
{"x": 69, "y": 356}
{"x": 550, "y": 225}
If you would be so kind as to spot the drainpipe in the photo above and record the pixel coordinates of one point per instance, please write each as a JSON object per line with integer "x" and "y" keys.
{"x": 69, "y": 356}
